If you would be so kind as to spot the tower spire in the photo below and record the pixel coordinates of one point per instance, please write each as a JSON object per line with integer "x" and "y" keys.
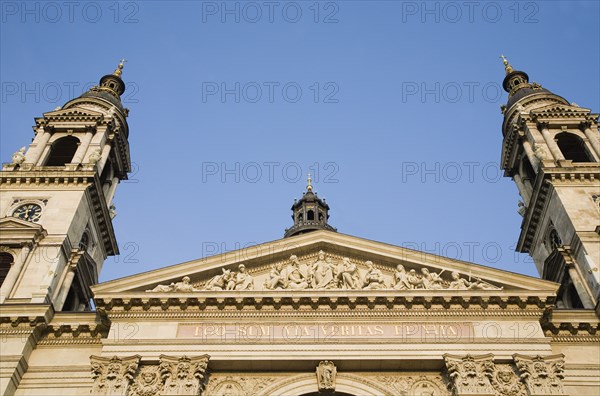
{"x": 309, "y": 183}
{"x": 119, "y": 70}
{"x": 509, "y": 69}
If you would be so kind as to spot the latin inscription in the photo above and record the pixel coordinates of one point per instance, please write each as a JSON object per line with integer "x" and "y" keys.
{"x": 323, "y": 332}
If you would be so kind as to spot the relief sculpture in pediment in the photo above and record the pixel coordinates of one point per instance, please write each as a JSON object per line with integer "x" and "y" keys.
{"x": 326, "y": 274}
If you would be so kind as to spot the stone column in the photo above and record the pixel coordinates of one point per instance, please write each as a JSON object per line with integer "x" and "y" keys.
{"x": 103, "y": 158}
{"x": 535, "y": 162}
{"x": 112, "y": 190}
{"x": 524, "y": 189}
{"x": 37, "y": 147}
{"x": 84, "y": 143}
{"x": 582, "y": 290}
{"x": 592, "y": 136}
{"x": 66, "y": 286}
{"x": 14, "y": 272}
{"x": 554, "y": 149}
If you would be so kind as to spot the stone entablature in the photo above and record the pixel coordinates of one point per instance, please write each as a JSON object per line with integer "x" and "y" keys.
{"x": 525, "y": 375}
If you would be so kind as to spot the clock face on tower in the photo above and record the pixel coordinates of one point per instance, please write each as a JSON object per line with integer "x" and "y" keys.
{"x": 29, "y": 212}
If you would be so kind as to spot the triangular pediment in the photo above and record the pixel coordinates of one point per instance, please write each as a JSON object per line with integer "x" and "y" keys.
{"x": 14, "y": 223}
{"x": 15, "y": 232}
{"x": 73, "y": 114}
{"x": 559, "y": 110}
{"x": 343, "y": 267}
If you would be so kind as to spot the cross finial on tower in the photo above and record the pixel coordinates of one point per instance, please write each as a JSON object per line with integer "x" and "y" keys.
{"x": 119, "y": 70}
{"x": 309, "y": 183}
{"x": 507, "y": 65}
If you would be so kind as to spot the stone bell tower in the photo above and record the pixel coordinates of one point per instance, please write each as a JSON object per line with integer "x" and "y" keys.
{"x": 309, "y": 213}
{"x": 56, "y": 200}
{"x": 551, "y": 149}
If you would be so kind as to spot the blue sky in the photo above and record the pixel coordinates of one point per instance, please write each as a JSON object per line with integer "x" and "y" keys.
{"x": 394, "y": 106}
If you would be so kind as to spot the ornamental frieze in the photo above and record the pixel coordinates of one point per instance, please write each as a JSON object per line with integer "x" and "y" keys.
{"x": 325, "y": 273}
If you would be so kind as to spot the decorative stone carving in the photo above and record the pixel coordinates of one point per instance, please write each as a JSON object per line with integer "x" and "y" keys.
{"x": 401, "y": 278}
{"x": 183, "y": 375}
{"x": 541, "y": 375}
{"x": 237, "y": 385}
{"x": 277, "y": 279}
{"x": 95, "y": 156}
{"x": 219, "y": 282}
{"x": 470, "y": 375}
{"x": 522, "y": 208}
{"x": 298, "y": 277}
{"x": 19, "y": 156}
{"x": 506, "y": 382}
{"x": 183, "y": 286}
{"x": 431, "y": 280}
{"x": 540, "y": 152}
{"x": 324, "y": 273}
{"x": 147, "y": 383}
{"x": 461, "y": 283}
{"x": 373, "y": 278}
{"x": 112, "y": 376}
{"x": 348, "y": 274}
{"x": 241, "y": 280}
{"x": 326, "y": 372}
{"x": 413, "y": 385}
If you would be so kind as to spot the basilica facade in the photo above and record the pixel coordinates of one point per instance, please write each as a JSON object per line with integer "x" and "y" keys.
{"x": 315, "y": 313}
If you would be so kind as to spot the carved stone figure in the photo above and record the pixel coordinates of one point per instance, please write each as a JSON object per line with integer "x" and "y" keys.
{"x": 540, "y": 152}
{"x": 401, "y": 279}
{"x": 431, "y": 280}
{"x": 19, "y": 156}
{"x": 541, "y": 375}
{"x": 373, "y": 278}
{"x": 414, "y": 280}
{"x": 470, "y": 374}
{"x": 323, "y": 276}
{"x": 297, "y": 279}
{"x": 243, "y": 280}
{"x": 183, "y": 286}
{"x": 326, "y": 372}
{"x": 348, "y": 274}
{"x": 458, "y": 282}
{"x": 95, "y": 156}
{"x": 113, "y": 376}
{"x": 219, "y": 282}
{"x": 506, "y": 382}
{"x": 184, "y": 375}
{"x": 276, "y": 280}
{"x": 147, "y": 382}
{"x": 522, "y": 208}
